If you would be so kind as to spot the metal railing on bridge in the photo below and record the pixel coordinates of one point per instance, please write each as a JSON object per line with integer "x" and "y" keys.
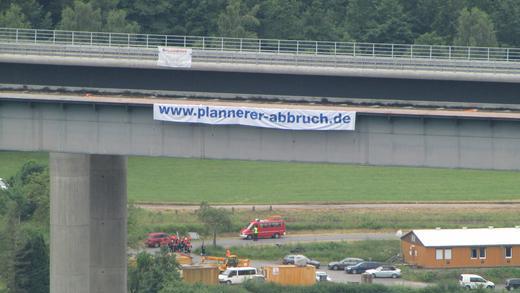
{"x": 306, "y": 52}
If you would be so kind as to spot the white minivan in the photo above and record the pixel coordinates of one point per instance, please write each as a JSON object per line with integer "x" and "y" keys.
{"x": 470, "y": 281}
{"x": 238, "y": 275}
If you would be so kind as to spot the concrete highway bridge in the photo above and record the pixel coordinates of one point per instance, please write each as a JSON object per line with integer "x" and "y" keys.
{"x": 86, "y": 98}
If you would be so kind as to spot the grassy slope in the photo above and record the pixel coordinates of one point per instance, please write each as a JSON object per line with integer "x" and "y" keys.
{"x": 10, "y": 162}
{"x": 325, "y": 252}
{"x": 221, "y": 181}
{"x": 184, "y": 180}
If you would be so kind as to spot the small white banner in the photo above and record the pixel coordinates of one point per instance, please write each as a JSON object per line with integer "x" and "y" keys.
{"x": 174, "y": 57}
{"x": 293, "y": 119}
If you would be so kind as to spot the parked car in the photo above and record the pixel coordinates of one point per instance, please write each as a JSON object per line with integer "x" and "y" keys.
{"x": 470, "y": 281}
{"x": 239, "y": 275}
{"x": 342, "y": 264}
{"x": 512, "y": 284}
{"x": 362, "y": 267}
{"x": 157, "y": 239}
{"x": 272, "y": 227}
{"x": 385, "y": 272}
{"x": 298, "y": 258}
{"x": 322, "y": 277}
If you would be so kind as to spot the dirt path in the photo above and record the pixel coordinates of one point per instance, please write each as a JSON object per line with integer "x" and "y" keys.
{"x": 397, "y": 206}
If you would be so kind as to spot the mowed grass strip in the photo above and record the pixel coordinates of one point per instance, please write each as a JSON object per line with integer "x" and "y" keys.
{"x": 174, "y": 180}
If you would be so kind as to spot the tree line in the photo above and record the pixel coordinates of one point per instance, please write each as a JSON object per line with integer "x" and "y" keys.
{"x": 442, "y": 22}
{"x": 24, "y": 231}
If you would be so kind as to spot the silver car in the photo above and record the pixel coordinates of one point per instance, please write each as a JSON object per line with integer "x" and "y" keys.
{"x": 385, "y": 272}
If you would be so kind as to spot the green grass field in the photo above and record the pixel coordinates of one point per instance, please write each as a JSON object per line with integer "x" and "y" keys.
{"x": 153, "y": 179}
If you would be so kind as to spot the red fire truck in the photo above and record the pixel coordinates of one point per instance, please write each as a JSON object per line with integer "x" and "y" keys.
{"x": 272, "y": 227}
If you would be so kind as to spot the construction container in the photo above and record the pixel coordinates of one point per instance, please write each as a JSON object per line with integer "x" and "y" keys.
{"x": 200, "y": 274}
{"x": 183, "y": 259}
{"x": 290, "y": 274}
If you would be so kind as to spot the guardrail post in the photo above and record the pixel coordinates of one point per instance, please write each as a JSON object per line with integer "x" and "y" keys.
{"x": 72, "y": 38}
{"x": 278, "y": 52}
{"x": 469, "y": 53}
{"x": 373, "y": 50}
{"x": 166, "y": 41}
{"x": 147, "y": 36}
{"x": 449, "y": 52}
{"x": 392, "y": 51}
{"x": 488, "y": 55}
{"x": 222, "y": 44}
{"x": 241, "y": 40}
{"x": 110, "y": 39}
{"x": 54, "y": 37}
{"x": 297, "y": 47}
{"x": 411, "y": 51}
{"x": 316, "y": 52}
{"x": 35, "y": 36}
{"x": 91, "y": 39}
{"x": 354, "y": 50}
{"x": 259, "y": 45}
{"x": 17, "y": 35}
{"x": 184, "y": 41}
{"x": 507, "y": 54}
{"x": 335, "y": 48}
{"x": 203, "y": 43}
{"x": 431, "y": 49}
{"x": 128, "y": 40}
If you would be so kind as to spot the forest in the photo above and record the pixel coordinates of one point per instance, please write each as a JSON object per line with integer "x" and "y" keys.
{"x": 436, "y": 22}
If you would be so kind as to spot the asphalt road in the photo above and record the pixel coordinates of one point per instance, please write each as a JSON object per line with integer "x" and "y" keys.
{"x": 228, "y": 242}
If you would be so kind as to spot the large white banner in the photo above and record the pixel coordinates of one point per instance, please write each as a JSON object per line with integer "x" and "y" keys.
{"x": 295, "y": 119}
{"x": 174, "y": 57}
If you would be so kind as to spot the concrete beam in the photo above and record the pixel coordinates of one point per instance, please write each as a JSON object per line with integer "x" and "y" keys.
{"x": 88, "y": 223}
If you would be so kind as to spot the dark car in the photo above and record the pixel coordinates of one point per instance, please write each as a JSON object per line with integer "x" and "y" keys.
{"x": 512, "y": 284}
{"x": 292, "y": 258}
{"x": 342, "y": 264}
{"x": 362, "y": 267}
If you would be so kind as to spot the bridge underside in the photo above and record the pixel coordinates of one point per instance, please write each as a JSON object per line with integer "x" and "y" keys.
{"x": 265, "y": 86}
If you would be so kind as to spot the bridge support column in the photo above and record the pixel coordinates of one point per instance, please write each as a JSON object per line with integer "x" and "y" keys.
{"x": 88, "y": 223}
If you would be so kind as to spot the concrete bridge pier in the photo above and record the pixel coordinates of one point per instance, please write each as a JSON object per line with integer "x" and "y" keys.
{"x": 88, "y": 223}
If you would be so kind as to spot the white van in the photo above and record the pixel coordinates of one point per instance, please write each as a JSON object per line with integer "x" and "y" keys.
{"x": 238, "y": 275}
{"x": 470, "y": 281}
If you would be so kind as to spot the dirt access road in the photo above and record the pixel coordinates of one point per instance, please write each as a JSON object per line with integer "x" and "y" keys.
{"x": 396, "y": 206}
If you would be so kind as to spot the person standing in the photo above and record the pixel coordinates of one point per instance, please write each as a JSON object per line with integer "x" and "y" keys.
{"x": 255, "y": 233}
{"x": 203, "y": 249}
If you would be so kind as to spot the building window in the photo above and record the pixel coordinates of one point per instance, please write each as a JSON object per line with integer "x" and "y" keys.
{"x": 413, "y": 238}
{"x": 447, "y": 253}
{"x": 482, "y": 253}
{"x": 508, "y": 251}
{"x": 438, "y": 254}
{"x": 473, "y": 253}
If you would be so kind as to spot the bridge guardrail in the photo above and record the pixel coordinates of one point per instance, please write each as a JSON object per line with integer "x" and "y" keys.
{"x": 261, "y": 51}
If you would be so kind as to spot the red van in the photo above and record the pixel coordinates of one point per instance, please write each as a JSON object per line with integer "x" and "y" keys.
{"x": 273, "y": 227}
{"x": 157, "y": 239}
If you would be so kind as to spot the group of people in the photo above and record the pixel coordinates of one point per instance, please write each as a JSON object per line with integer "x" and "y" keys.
{"x": 180, "y": 244}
